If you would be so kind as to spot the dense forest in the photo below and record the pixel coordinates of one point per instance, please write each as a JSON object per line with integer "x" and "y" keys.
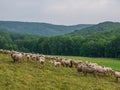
{"x": 98, "y": 44}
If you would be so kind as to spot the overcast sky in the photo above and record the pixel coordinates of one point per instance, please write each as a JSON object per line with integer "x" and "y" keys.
{"x": 65, "y": 12}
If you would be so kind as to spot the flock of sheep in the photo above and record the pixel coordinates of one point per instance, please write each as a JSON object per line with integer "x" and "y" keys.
{"x": 84, "y": 67}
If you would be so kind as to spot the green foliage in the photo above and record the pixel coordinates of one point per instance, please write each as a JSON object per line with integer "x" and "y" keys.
{"x": 104, "y": 44}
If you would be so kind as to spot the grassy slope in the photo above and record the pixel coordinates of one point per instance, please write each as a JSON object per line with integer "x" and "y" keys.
{"x": 28, "y": 76}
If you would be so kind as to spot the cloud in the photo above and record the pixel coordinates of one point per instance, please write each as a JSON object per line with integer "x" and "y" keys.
{"x": 60, "y": 11}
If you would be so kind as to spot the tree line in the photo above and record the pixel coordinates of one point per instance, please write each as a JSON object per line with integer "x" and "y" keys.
{"x": 103, "y": 44}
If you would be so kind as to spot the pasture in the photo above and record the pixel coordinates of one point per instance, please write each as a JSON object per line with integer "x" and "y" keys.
{"x": 28, "y": 75}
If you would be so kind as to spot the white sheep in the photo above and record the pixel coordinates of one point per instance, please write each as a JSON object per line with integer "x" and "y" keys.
{"x": 17, "y": 57}
{"x": 42, "y": 61}
{"x": 57, "y": 64}
{"x": 28, "y": 57}
{"x": 117, "y": 75}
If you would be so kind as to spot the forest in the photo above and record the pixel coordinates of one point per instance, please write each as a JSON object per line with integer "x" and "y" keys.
{"x": 98, "y": 44}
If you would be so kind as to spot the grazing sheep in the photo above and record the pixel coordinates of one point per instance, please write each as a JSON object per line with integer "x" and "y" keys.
{"x": 63, "y": 62}
{"x": 76, "y": 62}
{"x": 33, "y": 57}
{"x": 28, "y": 57}
{"x": 1, "y": 51}
{"x": 86, "y": 69}
{"x": 108, "y": 70}
{"x": 57, "y": 64}
{"x": 42, "y": 61}
{"x": 79, "y": 67}
{"x": 92, "y": 64}
{"x": 100, "y": 70}
{"x": 37, "y": 57}
{"x": 68, "y": 63}
{"x": 5, "y": 51}
{"x": 117, "y": 75}
{"x": 17, "y": 57}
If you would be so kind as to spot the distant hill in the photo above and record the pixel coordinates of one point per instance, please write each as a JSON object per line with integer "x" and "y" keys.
{"x": 97, "y": 28}
{"x": 42, "y": 29}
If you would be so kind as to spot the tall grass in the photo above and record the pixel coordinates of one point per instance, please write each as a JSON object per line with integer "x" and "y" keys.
{"x": 28, "y": 76}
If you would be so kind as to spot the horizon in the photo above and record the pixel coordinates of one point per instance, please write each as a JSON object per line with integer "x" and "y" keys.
{"x": 58, "y": 24}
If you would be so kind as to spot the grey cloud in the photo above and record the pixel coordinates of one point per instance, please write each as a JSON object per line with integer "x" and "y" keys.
{"x": 60, "y": 11}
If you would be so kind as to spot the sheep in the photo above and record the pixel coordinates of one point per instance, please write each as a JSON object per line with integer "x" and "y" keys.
{"x": 17, "y": 57}
{"x": 1, "y": 51}
{"x": 100, "y": 70}
{"x": 33, "y": 57}
{"x": 85, "y": 69}
{"x": 108, "y": 70}
{"x": 117, "y": 75}
{"x": 42, "y": 61}
{"x": 79, "y": 67}
{"x": 68, "y": 63}
{"x": 28, "y": 57}
{"x": 63, "y": 62}
{"x": 55, "y": 61}
{"x": 92, "y": 64}
{"x": 5, "y": 51}
{"x": 76, "y": 62}
{"x": 57, "y": 64}
{"x": 37, "y": 57}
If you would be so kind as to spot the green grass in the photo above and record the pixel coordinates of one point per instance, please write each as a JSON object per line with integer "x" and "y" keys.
{"x": 28, "y": 76}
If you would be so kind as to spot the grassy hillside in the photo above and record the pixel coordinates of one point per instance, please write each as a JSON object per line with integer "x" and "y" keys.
{"x": 97, "y": 28}
{"x": 28, "y": 76}
{"x": 42, "y": 29}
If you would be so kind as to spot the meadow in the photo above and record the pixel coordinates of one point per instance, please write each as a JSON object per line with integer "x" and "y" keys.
{"x": 28, "y": 76}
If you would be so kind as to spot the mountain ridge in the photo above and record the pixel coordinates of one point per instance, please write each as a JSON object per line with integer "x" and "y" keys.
{"x": 42, "y": 29}
{"x": 108, "y": 25}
